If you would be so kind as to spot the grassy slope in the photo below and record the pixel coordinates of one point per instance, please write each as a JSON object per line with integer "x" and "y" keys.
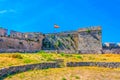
{"x": 21, "y": 59}
{"x": 76, "y": 73}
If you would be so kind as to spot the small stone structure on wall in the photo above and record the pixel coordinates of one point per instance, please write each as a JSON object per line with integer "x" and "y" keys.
{"x": 17, "y": 35}
{"x": 3, "y": 32}
{"x": 34, "y": 36}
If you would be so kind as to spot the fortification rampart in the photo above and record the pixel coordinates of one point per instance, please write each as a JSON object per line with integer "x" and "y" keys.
{"x": 19, "y": 42}
{"x": 83, "y": 40}
{"x": 10, "y": 43}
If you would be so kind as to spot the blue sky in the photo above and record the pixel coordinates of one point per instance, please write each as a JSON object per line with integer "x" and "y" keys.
{"x": 41, "y": 15}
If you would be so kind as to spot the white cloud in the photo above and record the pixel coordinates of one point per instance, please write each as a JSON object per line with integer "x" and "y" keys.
{"x": 3, "y": 11}
{"x": 7, "y": 11}
{"x": 2, "y": 0}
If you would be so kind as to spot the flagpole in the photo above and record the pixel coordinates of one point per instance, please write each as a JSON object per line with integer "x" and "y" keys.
{"x": 56, "y": 27}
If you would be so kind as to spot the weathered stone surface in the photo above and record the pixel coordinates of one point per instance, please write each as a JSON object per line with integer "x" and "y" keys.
{"x": 113, "y": 50}
{"x": 99, "y": 64}
{"x": 17, "y": 35}
{"x": 61, "y": 41}
{"x": 10, "y": 43}
{"x": 18, "y": 50}
{"x": 34, "y": 36}
{"x": 90, "y": 39}
{"x": 3, "y": 32}
{"x": 87, "y": 40}
{"x": 90, "y": 51}
{"x": 15, "y": 69}
{"x": 92, "y": 28}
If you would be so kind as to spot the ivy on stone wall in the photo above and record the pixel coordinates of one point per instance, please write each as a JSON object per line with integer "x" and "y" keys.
{"x": 99, "y": 32}
{"x": 88, "y": 31}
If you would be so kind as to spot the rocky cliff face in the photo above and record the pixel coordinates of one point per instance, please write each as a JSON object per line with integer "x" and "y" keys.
{"x": 61, "y": 41}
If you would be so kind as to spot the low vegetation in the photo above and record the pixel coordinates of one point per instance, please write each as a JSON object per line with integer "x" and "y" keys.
{"x": 73, "y": 73}
{"x": 63, "y": 73}
{"x": 13, "y": 59}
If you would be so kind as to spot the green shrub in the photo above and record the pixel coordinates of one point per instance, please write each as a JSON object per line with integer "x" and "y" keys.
{"x": 68, "y": 55}
{"x": 62, "y": 54}
{"x": 47, "y": 56}
{"x": 64, "y": 79}
{"x": 44, "y": 55}
{"x": 9, "y": 76}
{"x": 99, "y": 32}
{"x": 79, "y": 56}
{"x": 50, "y": 58}
{"x": 16, "y": 56}
{"x": 27, "y": 61}
{"x": 41, "y": 51}
{"x": 88, "y": 30}
{"x": 77, "y": 77}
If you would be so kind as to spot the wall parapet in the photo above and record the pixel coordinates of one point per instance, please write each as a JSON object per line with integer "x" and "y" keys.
{"x": 14, "y": 69}
{"x": 98, "y": 64}
{"x": 68, "y": 40}
{"x": 95, "y": 28}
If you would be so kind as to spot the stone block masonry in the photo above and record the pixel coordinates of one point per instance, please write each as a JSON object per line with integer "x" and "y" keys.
{"x": 85, "y": 40}
{"x": 16, "y": 69}
{"x": 10, "y": 43}
{"x": 99, "y": 64}
{"x": 3, "y": 32}
{"x": 18, "y": 42}
{"x": 4, "y": 72}
{"x": 89, "y": 40}
{"x": 15, "y": 34}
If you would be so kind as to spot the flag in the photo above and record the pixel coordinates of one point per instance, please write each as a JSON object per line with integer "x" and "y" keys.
{"x": 56, "y": 26}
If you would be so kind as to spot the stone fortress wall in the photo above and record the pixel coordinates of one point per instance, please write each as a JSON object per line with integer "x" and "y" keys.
{"x": 19, "y": 42}
{"x": 83, "y": 40}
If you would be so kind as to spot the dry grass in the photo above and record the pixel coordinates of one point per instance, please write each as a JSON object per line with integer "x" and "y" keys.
{"x": 21, "y": 59}
{"x": 76, "y": 73}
